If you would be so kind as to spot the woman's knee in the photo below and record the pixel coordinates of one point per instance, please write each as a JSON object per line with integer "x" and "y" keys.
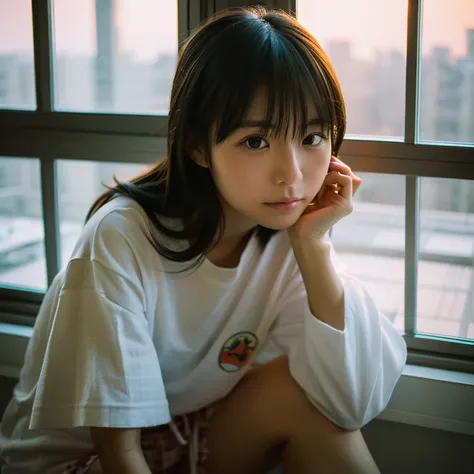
{"x": 266, "y": 411}
{"x": 303, "y": 425}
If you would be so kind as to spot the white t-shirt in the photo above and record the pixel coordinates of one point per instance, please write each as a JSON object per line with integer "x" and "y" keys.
{"x": 122, "y": 340}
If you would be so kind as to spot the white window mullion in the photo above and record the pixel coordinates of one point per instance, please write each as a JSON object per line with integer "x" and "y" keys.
{"x": 50, "y": 216}
{"x": 412, "y": 201}
{"x": 42, "y": 44}
{"x": 42, "y": 41}
{"x": 183, "y": 21}
{"x": 412, "y": 228}
{"x": 412, "y": 71}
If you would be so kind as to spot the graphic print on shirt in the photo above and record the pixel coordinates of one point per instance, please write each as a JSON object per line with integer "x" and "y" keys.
{"x": 237, "y": 351}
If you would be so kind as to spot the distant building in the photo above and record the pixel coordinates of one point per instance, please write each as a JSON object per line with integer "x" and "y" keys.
{"x": 448, "y": 95}
{"x": 17, "y": 82}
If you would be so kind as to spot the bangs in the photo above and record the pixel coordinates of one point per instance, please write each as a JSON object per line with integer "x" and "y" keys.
{"x": 287, "y": 66}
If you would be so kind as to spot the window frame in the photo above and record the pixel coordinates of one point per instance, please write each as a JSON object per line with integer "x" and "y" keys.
{"x": 51, "y": 136}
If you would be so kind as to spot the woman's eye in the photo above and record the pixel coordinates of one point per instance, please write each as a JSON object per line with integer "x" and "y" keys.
{"x": 313, "y": 139}
{"x": 255, "y": 143}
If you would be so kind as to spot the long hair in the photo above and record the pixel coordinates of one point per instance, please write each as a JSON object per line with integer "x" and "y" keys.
{"x": 220, "y": 68}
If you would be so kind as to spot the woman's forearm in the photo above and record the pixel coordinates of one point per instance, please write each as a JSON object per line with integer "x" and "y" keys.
{"x": 120, "y": 450}
{"x": 324, "y": 287}
{"x": 130, "y": 462}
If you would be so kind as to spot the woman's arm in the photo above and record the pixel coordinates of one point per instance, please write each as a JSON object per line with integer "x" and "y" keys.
{"x": 344, "y": 353}
{"x": 324, "y": 287}
{"x": 119, "y": 450}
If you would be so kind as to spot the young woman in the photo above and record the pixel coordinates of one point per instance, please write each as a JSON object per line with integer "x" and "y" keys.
{"x": 203, "y": 323}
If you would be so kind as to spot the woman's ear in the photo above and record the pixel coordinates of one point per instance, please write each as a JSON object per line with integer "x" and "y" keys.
{"x": 197, "y": 153}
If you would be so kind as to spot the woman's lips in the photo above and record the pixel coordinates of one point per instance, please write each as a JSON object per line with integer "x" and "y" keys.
{"x": 284, "y": 206}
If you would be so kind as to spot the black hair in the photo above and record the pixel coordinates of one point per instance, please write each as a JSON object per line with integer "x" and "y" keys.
{"x": 220, "y": 69}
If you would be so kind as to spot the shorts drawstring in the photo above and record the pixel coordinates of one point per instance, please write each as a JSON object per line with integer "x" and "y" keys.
{"x": 192, "y": 440}
{"x": 177, "y": 434}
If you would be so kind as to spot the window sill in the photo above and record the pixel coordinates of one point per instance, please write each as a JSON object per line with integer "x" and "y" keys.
{"x": 424, "y": 396}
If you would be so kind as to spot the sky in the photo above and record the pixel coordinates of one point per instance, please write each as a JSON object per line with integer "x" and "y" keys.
{"x": 149, "y": 27}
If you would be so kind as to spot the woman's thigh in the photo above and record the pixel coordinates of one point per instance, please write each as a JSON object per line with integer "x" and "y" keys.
{"x": 250, "y": 426}
{"x": 268, "y": 417}
{"x": 248, "y": 430}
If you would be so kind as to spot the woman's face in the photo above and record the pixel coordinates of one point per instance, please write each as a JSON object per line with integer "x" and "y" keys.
{"x": 253, "y": 173}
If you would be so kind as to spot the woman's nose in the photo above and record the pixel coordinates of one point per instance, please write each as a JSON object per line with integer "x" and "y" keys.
{"x": 288, "y": 170}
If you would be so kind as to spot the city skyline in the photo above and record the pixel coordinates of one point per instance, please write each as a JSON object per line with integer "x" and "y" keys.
{"x": 381, "y": 30}
{"x": 374, "y": 89}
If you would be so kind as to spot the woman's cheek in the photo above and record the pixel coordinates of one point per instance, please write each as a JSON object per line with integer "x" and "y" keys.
{"x": 234, "y": 173}
{"x": 243, "y": 170}
{"x": 316, "y": 169}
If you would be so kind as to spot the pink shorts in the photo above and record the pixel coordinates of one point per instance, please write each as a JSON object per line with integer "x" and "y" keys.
{"x": 165, "y": 447}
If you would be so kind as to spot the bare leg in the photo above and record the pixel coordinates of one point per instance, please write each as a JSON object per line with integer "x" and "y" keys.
{"x": 328, "y": 450}
{"x": 268, "y": 419}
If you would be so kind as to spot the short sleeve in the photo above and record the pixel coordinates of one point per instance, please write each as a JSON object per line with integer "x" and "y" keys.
{"x": 100, "y": 366}
{"x": 348, "y": 375}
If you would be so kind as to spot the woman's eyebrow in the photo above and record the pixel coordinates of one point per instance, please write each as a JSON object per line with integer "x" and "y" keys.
{"x": 316, "y": 121}
{"x": 256, "y": 124}
{"x": 264, "y": 124}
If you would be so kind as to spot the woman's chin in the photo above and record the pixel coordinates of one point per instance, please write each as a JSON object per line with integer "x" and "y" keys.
{"x": 280, "y": 223}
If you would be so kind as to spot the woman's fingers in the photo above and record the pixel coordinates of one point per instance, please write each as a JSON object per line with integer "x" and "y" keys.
{"x": 344, "y": 183}
{"x": 338, "y": 165}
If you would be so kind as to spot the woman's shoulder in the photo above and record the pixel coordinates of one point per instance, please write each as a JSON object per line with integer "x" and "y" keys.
{"x": 120, "y": 210}
{"x": 119, "y": 230}
{"x": 125, "y": 215}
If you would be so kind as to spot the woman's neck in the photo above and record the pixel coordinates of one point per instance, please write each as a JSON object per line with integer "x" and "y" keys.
{"x": 228, "y": 251}
{"x": 232, "y": 243}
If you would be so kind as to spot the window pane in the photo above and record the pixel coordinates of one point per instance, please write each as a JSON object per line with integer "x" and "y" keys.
{"x": 447, "y": 74}
{"x": 366, "y": 46}
{"x": 446, "y": 267}
{"x": 17, "y": 72}
{"x": 115, "y": 55}
{"x": 371, "y": 241}
{"x": 80, "y": 183}
{"x": 22, "y": 258}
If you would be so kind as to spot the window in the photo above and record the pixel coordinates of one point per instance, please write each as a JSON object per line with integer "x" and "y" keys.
{"x": 446, "y": 266}
{"x": 22, "y": 258}
{"x": 103, "y": 78}
{"x": 114, "y": 58}
{"x": 111, "y": 56}
{"x": 17, "y": 72}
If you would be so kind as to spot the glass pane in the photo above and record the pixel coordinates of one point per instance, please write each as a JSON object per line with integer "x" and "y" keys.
{"x": 371, "y": 241}
{"x": 447, "y": 73}
{"x": 22, "y": 257}
{"x": 115, "y": 55}
{"x": 17, "y": 70}
{"x": 446, "y": 265}
{"x": 80, "y": 183}
{"x": 366, "y": 46}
